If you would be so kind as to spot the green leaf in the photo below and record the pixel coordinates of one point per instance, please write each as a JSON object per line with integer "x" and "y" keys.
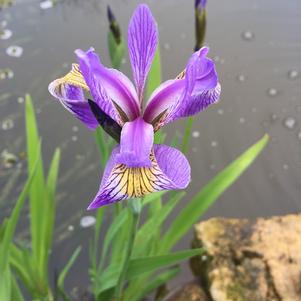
{"x": 149, "y": 198}
{"x": 116, "y": 51}
{"x": 102, "y": 146}
{"x": 140, "y": 266}
{"x": 12, "y": 221}
{"x": 187, "y": 133}
{"x": 7, "y": 281}
{"x": 114, "y": 228}
{"x": 153, "y": 224}
{"x": 65, "y": 271}
{"x": 16, "y": 293}
{"x": 206, "y": 197}
{"x": 37, "y": 190}
{"x": 50, "y": 206}
{"x": 154, "y": 76}
{"x": 152, "y": 285}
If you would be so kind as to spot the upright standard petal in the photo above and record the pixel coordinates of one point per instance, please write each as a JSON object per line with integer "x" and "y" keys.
{"x": 137, "y": 138}
{"x": 142, "y": 44}
{"x": 110, "y": 89}
{"x": 69, "y": 91}
{"x": 169, "y": 170}
{"x": 193, "y": 91}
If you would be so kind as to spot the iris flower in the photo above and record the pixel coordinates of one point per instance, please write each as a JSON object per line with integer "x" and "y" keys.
{"x": 137, "y": 166}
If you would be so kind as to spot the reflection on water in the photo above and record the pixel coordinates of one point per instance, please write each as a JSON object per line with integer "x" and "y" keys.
{"x": 257, "y": 50}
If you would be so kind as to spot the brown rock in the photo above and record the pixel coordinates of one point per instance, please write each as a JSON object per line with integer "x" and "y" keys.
{"x": 250, "y": 260}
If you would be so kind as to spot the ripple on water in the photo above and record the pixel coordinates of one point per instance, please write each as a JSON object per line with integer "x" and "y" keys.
{"x": 6, "y": 74}
{"x": 5, "y": 34}
{"x": 220, "y": 112}
{"x": 272, "y": 92}
{"x": 14, "y": 51}
{"x": 7, "y": 124}
{"x": 195, "y": 134}
{"x": 20, "y": 99}
{"x": 290, "y": 123}
{"x": 241, "y": 78}
{"x": 214, "y": 143}
{"x": 46, "y": 4}
{"x": 293, "y": 74}
{"x": 87, "y": 221}
{"x": 248, "y": 35}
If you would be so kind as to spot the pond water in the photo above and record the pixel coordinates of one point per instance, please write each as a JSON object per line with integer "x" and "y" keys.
{"x": 257, "y": 48}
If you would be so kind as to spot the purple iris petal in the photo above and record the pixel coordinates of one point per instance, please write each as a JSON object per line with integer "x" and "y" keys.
{"x": 72, "y": 98}
{"x": 142, "y": 44}
{"x": 162, "y": 98}
{"x": 170, "y": 170}
{"x": 108, "y": 86}
{"x": 137, "y": 138}
{"x": 200, "y": 4}
{"x": 188, "y": 96}
{"x": 174, "y": 165}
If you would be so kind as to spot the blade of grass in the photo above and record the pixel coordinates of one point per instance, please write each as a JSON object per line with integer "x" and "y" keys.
{"x": 140, "y": 266}
{"x": 152, "y": 225}
{"x": 49, "y": 218}
{"x": 152, "y": 285}
{"x": 187, "y": 133}
{"x": 65, "y": 271}
{"x": 202, "y": 200}
{"x": 154, "y": 76}
{"x": 37, "y": 193}
{"x": 6, "y": 282}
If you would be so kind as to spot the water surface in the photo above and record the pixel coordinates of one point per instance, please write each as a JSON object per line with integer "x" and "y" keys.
{"x": 257, "y": 48}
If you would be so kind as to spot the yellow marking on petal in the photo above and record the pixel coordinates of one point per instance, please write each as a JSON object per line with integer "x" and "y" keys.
{"x": 181, "y": 75}
{"x": 145, "y": 181}
{"x": 124, "y": 180}
{"x": 130, "y": 188}
{"x": 134, "y": 182}
{"x": 74, "y": 78}
{"x": 137, "y": 185}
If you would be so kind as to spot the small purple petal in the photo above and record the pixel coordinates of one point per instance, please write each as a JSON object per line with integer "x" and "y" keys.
{"x": 72, "y": 98}
{"x": 188, "y": 96}
{"x": 108, "y": 86}
{"x": 137, "y": 138}
{"x": 163, "y": 98}
{"x": 170, "y": 170}
{"x": 174, "y": 165}
{"x": 142, "y": 44}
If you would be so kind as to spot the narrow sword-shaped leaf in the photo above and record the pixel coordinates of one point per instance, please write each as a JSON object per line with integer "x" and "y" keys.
{"x": 140, "y": 266}
{"x": 37, "y": 190}
{"x": 65, "y": 271}
{"x": 152, "y": 225}
{"x": 152, "y": 285}
{"x": 206, "y": 197}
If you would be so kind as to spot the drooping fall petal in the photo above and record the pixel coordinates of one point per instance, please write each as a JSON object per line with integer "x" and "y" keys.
{"x": 170, "y": 170}
{"x": 69, "y": 90}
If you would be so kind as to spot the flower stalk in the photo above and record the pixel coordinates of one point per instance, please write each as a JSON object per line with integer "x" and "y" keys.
{"x": 134, "y": 206}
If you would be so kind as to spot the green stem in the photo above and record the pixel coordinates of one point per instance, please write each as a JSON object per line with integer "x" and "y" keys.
{"x": 187, "y": 133}
{"x": 134, "y": 206}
